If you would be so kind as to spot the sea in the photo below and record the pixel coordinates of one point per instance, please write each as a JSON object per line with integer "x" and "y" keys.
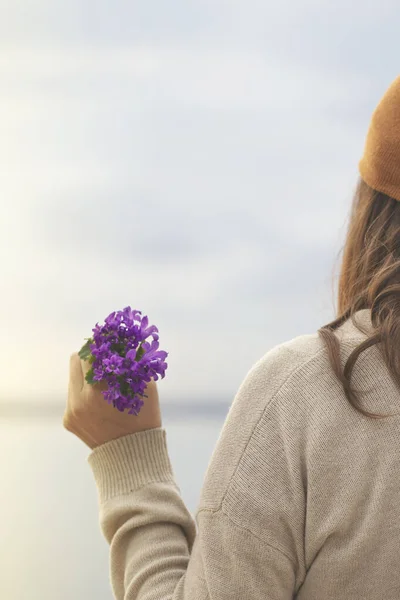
{"x": 51, "y": 545}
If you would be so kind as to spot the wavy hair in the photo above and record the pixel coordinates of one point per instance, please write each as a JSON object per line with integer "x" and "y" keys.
{"x": 369, "y": 279}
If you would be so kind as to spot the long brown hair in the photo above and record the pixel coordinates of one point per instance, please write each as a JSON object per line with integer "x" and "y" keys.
{"x": 369, "y": 279}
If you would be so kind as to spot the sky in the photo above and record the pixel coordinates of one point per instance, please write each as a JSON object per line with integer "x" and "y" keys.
{"x": 195, "y": 160}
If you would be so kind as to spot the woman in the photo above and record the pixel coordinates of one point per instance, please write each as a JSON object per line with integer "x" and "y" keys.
{"x": 301, "y": 498}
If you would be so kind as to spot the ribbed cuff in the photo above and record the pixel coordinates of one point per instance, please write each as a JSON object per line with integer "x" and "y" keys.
{"x": 127, "y": 463}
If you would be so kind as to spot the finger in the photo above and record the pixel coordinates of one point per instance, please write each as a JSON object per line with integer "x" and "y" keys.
{"x": 76, "y": 376}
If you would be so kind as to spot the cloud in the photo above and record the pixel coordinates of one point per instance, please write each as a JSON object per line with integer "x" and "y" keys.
{"x": 191, "y": 166}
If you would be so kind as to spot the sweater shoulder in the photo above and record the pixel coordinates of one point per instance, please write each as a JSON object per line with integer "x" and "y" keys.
{"x": 275, "y": 367}
{"x": 251, "y": 405}
{"x": 255, "y": 473}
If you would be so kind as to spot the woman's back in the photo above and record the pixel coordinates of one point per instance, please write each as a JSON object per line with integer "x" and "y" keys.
{"x": 313, "y": 483}
{"x": 352, "y": 526}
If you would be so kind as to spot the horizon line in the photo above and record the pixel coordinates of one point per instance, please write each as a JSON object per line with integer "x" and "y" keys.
{"x": 176, "y": 409}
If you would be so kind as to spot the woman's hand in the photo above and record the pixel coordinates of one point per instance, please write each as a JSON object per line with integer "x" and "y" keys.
{"x": 93, "y": 420}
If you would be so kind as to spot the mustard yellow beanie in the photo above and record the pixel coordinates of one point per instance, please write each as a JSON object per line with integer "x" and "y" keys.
{"x": 380, "y": 164}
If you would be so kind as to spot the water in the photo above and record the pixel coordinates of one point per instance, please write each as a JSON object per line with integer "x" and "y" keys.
{"x": 51, "y": 545}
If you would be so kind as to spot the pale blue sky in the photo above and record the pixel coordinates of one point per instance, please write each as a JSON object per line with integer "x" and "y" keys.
{"x": 195, "y": 160}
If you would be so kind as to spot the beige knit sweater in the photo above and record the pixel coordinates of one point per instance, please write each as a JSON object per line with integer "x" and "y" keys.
{"x": 301, "y": 498}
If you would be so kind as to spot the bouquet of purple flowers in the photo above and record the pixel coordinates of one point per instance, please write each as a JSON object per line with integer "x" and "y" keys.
{"x": 120, "y": 356}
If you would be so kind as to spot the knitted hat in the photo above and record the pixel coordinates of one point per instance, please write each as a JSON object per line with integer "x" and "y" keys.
{"x": 380, "y": 164}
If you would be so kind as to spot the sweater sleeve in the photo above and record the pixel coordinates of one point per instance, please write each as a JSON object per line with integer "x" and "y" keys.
{"x": 158, "y": 551}
{"x": 247, "y": 540}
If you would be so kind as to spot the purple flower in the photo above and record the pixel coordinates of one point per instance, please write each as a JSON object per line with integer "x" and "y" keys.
{"x": 120, "y": 356}
{"x": 113, "y": 364}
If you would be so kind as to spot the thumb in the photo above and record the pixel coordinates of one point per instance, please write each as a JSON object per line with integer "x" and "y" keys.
{"x": 76, "y": 376}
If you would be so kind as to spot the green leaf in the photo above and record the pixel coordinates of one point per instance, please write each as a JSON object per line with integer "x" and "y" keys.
{"x": 124, "y": 388}
{"x": 89, "y": 377}
{"x": 119, "y": 349}
{"x": 139, "y": 353}
{"x": 84, "y": 352}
